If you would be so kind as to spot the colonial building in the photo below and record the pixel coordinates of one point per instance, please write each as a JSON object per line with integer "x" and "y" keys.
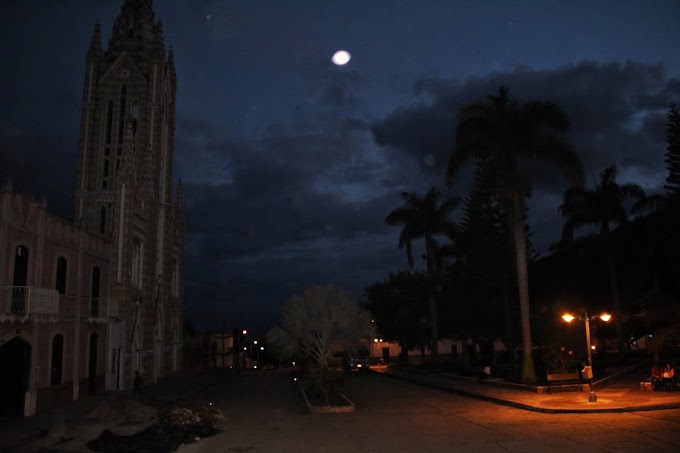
{"x": 85, "y": 305}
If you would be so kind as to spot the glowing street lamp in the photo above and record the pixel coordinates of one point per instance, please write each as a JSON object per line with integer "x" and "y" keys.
{"x": 604, "y": 317}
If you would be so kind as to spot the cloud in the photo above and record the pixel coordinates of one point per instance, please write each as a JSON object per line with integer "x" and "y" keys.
{"x": 303, "y": 204}
{"x": 617, "y": 112}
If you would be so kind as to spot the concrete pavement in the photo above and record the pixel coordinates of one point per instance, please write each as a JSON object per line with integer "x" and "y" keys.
{"x": 19, "y": 434}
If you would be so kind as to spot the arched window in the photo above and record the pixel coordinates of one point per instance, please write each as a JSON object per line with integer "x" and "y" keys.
{"x": 135, "y": 117}
{"x": 109, "y": 121}
{"x": 57, "y": 359}
{"x": 60, "y": 280}
{"x": 102, "y": 220}
{"x": 175, "y": 278}
{"x": 94, "y": 301}
{"x": 121, "y": 114}
{"x": 20, "y": 279}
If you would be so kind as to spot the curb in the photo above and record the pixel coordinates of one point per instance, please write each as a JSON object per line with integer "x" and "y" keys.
{"x": 529, "y": 407}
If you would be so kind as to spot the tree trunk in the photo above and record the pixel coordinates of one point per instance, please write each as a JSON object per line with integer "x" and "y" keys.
{"x": 434, "y": 334}
{"x": 403, "y": 354}
{"x": 466, "y": 356}
{"x": 614, "y": 288}
{"x": 505, "y": 295}
{"x": 434, "y": 341}
{"x": 528, "y": 371}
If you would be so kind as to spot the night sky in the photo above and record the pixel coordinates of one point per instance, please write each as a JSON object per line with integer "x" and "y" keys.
{"x": 291, "y": 163}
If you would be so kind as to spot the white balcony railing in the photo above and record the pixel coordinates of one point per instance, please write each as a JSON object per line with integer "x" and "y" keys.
{"x": 29, "y": 300}
{"x": 103, "y": 307}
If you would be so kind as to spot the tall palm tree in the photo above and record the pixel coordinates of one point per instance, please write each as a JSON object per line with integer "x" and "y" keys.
{"x": 601, "y": 206}
{"x": 497, "y": 133}
{"x": 425, "y": 217}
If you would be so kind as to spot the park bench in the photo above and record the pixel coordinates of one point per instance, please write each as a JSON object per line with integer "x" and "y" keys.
{"x": 570, "y": 378}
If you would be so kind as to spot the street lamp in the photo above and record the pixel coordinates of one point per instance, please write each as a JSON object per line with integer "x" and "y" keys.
{"x": 589, "y": 369}
{"x": 236, "y": 338}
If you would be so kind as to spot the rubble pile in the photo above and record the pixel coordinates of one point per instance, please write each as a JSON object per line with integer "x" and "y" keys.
{"x": 180, "y": 417}
{"x": 174, "y": 428}
{"x": 123, "y": 411}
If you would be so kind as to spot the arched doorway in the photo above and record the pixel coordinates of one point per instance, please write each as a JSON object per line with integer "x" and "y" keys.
{"x": 15, "y": 357}
{"x": 92, "y": 369}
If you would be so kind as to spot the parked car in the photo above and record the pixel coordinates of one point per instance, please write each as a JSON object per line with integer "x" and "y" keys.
{"x": 359, "y": 358}
{"x": 357, "y": 363}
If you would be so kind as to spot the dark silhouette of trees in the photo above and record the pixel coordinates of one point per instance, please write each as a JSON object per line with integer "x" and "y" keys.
{"x": 399, "y": 308}
{"x": 602, "y": 206}
{"x": 496, "y": 134}
{"x": 673, "y": 153}
{"x": 426, "y": 218}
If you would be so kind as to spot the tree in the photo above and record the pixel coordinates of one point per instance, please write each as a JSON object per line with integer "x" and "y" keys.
{"x": 497, "y": 134}
{"x": 425, "y": 217}
{"x": 399, "y": 308}
{"x": 486, "y": 244}
{"x": 673, "y": 153}
{"x": 602, "y": 206}
{"x": 317, "y": 324}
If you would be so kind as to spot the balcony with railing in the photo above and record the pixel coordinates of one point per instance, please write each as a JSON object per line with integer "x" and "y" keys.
{"x": 26, "y": 301}
{"x": 102, "y": 308}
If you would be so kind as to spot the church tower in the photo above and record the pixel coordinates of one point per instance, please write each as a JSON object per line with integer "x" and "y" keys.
{"x": 124, "y": 188}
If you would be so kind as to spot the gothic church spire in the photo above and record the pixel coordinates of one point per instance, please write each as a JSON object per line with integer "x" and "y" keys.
{"x": 95, "y": 49}
{"x": 134, "y": 30}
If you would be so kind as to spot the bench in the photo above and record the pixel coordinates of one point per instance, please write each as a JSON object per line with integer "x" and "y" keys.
{"x": 573, "y": 377}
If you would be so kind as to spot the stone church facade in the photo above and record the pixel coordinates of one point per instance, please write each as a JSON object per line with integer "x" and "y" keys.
{"x": 105, "y": 291}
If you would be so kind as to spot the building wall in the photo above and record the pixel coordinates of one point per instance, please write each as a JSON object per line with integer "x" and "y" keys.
{"x": 128, "y": 173}
{"x": 145, "y": 333}
{"x": 25, "y": 221}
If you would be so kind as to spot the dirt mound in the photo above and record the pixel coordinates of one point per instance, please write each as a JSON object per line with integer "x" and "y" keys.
{"x": 123, "y": 411}
{"x": 175, "y": 427}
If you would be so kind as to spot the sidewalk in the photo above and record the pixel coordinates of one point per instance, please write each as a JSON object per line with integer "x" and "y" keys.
{"x": 624, "y": 395}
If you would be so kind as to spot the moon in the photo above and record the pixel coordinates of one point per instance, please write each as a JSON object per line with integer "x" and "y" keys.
{"x": 341, "y": 57}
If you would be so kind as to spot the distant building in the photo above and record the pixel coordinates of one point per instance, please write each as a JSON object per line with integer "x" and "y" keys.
{"x": 84, "y": 305}
{"x": 209, "y": 350}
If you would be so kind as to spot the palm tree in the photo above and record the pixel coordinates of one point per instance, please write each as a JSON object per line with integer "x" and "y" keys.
{"x": 425, "y": 217}
{"x": 497, "y": 133}
{"x": 601, "y": 207}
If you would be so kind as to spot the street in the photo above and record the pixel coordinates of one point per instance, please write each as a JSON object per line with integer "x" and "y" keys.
{"x": 266, "y": 414}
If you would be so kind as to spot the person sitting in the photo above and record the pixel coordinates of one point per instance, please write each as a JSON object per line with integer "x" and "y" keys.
{"x": 667, "y": 376}
{"x": 656, "y": 376}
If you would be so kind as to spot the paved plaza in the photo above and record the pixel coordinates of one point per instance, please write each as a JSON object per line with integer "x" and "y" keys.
{"x": 266, "y": 414}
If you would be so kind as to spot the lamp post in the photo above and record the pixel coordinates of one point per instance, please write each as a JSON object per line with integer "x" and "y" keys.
{"x": 237, "y": 347}
{"x": 589, "y": 369}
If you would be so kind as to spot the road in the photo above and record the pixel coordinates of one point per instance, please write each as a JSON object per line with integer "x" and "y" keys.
{"x": 266, "y": 414}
